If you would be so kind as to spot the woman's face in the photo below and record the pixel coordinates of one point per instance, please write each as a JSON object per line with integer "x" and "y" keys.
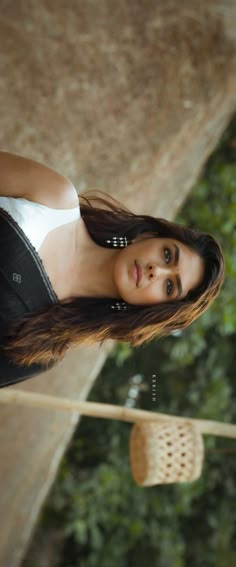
{"x": 156, "y": 270}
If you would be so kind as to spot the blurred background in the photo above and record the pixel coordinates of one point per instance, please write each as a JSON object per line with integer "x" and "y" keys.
{"x": 96, "y": 514}
{"x": 138, "y": 99}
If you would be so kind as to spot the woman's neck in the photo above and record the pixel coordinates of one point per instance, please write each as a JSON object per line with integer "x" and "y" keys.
{"x": 92, "y": 272}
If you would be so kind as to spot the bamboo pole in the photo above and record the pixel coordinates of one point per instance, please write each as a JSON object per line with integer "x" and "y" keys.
{"x": 109, "y": 411}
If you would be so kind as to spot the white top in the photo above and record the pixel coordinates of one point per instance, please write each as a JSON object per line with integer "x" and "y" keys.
{"x": 36, "y": 220}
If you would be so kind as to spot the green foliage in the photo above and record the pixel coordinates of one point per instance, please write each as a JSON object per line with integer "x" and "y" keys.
{"x": 110, "y": 521}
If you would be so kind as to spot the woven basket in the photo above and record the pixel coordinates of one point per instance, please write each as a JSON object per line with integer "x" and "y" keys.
{"x": 163, "y": 448}
{"x": 162, "y": 453}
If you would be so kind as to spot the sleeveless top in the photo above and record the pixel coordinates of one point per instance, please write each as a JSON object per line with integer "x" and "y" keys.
{"x": 24, "y": 284}
{"x": 37, "y": 220}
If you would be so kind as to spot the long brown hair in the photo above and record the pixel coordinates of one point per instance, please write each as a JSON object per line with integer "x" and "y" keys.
{"x": 46, "y": 336}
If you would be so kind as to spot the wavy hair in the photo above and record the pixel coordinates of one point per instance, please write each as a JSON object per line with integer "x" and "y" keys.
{"x": 45, "y": 337}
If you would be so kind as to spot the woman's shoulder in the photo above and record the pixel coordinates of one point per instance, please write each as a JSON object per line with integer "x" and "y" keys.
{"x": 64, "y": 197}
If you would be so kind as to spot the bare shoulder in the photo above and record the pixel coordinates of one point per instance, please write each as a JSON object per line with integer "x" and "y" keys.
{"x": 29, "y": 179}
{"x": 65, "y": 197}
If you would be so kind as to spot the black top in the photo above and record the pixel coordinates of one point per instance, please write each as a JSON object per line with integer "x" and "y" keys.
{"x": 24, "y": 288}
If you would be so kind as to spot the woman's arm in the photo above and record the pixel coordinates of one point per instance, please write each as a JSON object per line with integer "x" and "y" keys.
{"x": 28, "y": 179}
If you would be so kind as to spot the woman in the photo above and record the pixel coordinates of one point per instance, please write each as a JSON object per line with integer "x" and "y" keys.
{"x": 75, "y": 273}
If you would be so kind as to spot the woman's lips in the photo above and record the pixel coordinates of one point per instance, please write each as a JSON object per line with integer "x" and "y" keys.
{"x": 138, "y": 272}
{"x": 135, "y": 273}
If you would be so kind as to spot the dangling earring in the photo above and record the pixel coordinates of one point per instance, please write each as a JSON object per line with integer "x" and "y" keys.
{"x": 118, "y": 242}
{"x": 119, "y": 306}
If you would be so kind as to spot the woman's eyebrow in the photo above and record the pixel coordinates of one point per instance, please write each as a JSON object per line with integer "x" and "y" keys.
{"x": 176, "y": 259}
{"x": 180, "y": 290}
{"x": 178, "y": 281}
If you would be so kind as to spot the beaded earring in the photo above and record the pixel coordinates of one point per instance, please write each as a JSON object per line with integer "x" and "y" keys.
{"x": 118, "y": 242}
{"x": 119, "y": 306}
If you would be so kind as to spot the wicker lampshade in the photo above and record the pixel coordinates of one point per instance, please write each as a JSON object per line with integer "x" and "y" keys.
{"x": 162, "y": 453}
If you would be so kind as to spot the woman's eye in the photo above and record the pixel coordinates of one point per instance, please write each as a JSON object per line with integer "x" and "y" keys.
{"x": 168, "y": 256}
{"x": 169, "y": 287}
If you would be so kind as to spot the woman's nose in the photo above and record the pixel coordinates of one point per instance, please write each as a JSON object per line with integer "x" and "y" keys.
{"x": 155, "y": 271}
